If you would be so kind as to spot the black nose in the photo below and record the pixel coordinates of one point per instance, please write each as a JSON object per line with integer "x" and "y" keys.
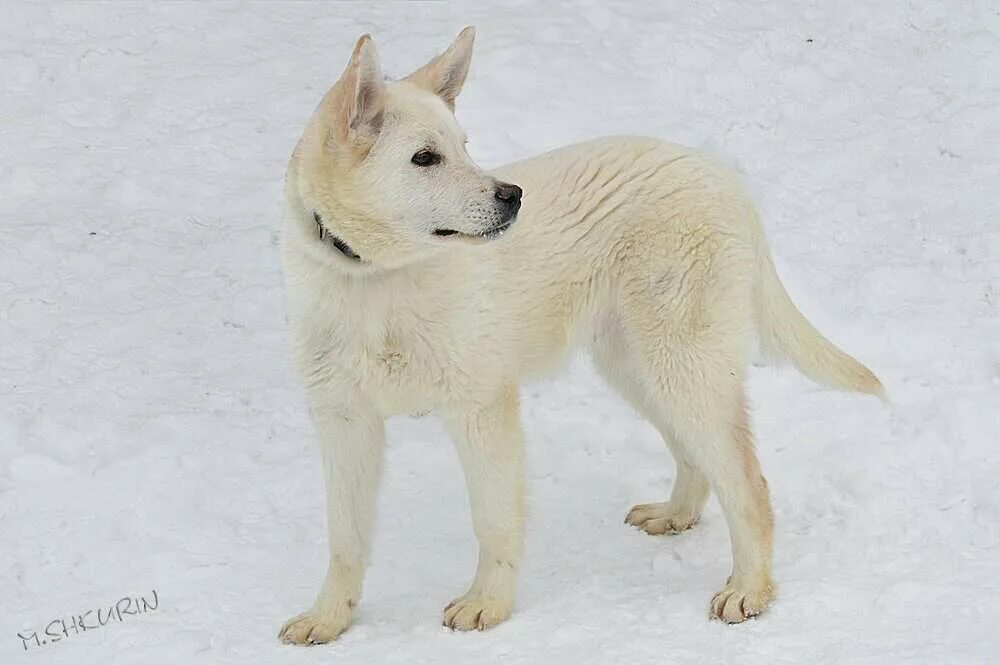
{"x": 509, "y": 194}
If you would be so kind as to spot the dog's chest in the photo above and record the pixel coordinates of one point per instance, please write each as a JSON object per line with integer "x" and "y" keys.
{"x": 395, "y": 356}
{"x": 400, "y": 362}
{"x": 403, "y": 346}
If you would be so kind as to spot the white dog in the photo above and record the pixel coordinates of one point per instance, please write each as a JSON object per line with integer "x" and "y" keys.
{"x": 411, "y": 288}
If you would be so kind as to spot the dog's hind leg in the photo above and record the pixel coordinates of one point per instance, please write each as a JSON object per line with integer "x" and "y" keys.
{"x": 613, "y": 361}
{"x": 708, "y": 418}
{"x": 682, "y": 511}
{"x": 491, "y": 448}
{"x": 689, "y": 339}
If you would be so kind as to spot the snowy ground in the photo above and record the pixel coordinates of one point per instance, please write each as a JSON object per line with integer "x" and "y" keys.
{"x": 153, "y": 435}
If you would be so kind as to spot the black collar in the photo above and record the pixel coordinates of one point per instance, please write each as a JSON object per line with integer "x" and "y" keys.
{"x": 339, "y": 244}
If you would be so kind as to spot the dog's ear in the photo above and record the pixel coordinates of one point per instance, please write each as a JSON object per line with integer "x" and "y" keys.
{"x": 445, "y": 74}
{"x": 361, "y": 105}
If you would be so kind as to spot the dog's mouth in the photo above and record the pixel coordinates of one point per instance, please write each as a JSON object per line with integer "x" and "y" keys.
{"x": 328, "y": 238}
{"x": 489, "y": 234}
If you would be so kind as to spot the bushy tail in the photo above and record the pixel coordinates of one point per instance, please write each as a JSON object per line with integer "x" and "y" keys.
{"x": 786, "y": 333}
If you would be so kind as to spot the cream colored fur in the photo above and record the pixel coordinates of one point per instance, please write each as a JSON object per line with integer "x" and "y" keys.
{"x": 644, "y": 252}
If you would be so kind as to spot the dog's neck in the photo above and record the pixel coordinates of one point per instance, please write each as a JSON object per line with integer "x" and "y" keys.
{"x": 338, "y": 243}
{"x": 345, "y": 249}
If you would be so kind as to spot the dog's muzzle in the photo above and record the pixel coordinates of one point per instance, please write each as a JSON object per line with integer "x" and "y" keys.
{"x": 508, "y": 199}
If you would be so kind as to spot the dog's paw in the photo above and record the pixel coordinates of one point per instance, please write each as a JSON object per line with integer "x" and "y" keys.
{"x": 475, "y": 612}
{"x": 315, "y": 627}
{"x": 657, "y": 519}
{"x": 738, "y": 602}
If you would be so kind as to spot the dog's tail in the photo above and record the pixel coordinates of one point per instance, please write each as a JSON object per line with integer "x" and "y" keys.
{"x": 786, "y": 333}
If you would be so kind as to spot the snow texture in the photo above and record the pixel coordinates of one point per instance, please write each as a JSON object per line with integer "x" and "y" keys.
{"x": 153, "y": 434}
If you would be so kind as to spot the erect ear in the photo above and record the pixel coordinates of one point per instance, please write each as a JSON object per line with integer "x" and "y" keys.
{"x": 445, "y": 74}
{"x": 361, "y": 104}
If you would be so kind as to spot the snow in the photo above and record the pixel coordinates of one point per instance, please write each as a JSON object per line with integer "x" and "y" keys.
{"x": 153, "y": 434}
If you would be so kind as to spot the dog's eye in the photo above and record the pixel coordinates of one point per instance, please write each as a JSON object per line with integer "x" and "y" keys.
{"x": 425, "y": 158}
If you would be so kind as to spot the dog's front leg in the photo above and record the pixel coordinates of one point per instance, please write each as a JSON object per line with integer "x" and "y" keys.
{"x": 491, "y": 448}
{"x": 352, "y": 442}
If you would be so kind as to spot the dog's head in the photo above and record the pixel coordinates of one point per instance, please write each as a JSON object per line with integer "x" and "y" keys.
{"x": 381, "y": 174}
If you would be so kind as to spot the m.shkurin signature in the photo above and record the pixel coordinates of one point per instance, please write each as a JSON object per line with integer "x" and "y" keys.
{"x": 62, "y": 628}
